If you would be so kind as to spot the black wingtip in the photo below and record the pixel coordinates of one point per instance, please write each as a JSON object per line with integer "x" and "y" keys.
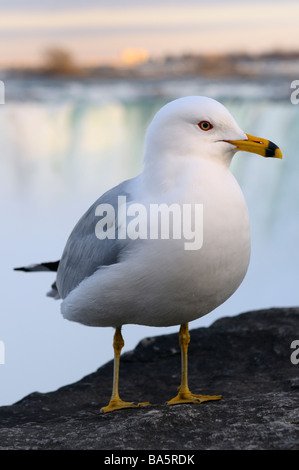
{"x": 52, "y": 266}
{"x": 48, "y": 266}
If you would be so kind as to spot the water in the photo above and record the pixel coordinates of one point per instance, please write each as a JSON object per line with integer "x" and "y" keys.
{"x": 65, "y": 143}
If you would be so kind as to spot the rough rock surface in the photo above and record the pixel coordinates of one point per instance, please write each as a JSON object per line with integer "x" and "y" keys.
{"x": 245, "y": 358}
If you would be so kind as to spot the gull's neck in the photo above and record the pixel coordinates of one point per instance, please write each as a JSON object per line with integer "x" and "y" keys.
{"x": 173, "y": 173}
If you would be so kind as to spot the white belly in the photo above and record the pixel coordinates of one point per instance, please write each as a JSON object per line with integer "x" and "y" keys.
{"x": 159, "y": 283}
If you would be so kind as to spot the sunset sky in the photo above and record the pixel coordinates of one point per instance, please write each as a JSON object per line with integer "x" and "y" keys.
{"x": 97, "y": 31}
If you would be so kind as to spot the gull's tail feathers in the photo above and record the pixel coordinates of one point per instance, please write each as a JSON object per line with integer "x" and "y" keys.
{"x": 48, "y": 266}
{"x": 51, "y": 266}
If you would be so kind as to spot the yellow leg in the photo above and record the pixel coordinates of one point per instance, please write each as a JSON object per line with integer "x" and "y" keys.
{"x": 184, "y": 395}
{"x": 116, "y": 403}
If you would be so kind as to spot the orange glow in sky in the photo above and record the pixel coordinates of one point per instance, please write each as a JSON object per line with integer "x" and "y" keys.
{"x": 131, "y": 35}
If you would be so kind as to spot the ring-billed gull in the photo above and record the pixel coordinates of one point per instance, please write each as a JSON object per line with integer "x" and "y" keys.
{"x": 117, "y": 268}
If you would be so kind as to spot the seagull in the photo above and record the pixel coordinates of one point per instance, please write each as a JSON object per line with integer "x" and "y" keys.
{"x": 119, "y": 267}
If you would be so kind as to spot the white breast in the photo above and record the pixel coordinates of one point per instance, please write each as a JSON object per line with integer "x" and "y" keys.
{"x": 159, "y": 283}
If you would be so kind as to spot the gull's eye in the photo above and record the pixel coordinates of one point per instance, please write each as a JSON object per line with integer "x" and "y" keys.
{"x": 205, "y": 125}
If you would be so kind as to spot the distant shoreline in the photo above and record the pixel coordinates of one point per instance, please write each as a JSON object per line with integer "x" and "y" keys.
{"x": 267, "y": 65}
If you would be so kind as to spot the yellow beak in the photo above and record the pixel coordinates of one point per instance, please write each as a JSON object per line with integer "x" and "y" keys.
{"x": 263, "y": 147}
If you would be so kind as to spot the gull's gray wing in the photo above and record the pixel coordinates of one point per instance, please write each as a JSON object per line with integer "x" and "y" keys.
{"x": 84, "y": 253}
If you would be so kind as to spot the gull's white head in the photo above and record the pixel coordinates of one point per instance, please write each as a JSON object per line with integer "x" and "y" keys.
{"x": 200, "y": 127}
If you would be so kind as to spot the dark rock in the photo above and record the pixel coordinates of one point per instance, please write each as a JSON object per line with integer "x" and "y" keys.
{"x": 245, "y": 358}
